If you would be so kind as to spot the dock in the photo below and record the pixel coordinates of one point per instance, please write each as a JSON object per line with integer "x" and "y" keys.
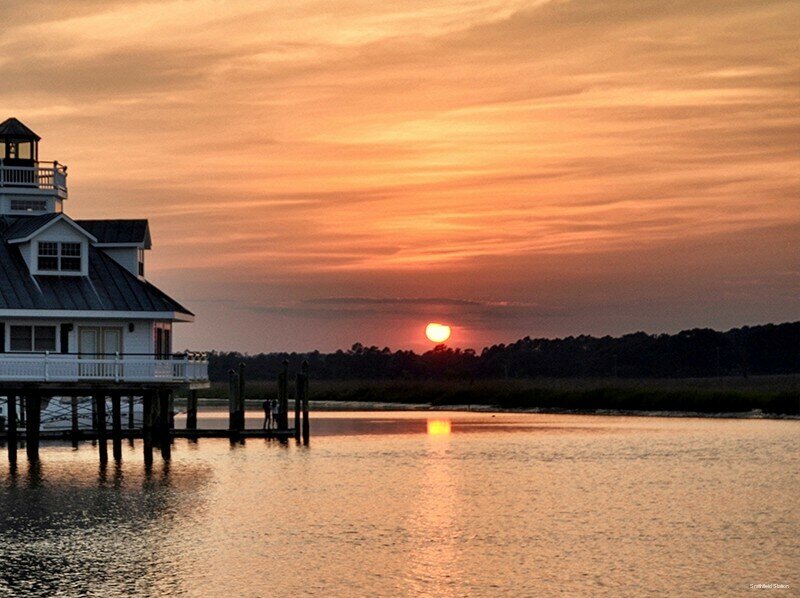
{"x": 156, "y": 429}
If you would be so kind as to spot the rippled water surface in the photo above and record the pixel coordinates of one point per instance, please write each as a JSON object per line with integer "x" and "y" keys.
{"x": 394, "y": 504}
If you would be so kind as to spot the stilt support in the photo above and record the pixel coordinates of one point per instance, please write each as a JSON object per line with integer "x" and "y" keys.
{"x": 191, "y": 411}
{"x": 100, "y": 411}
{"x": 33, "y": 417}
{"x": 147, "y": 427}
{"x": 163, "y": 424}
{"x": 11, "y": 424}
{"x": 116, "y": 426}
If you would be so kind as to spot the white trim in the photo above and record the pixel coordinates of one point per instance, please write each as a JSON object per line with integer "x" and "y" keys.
{"x": 174, "y": 316}
{"x": 59, "y": 218}
{"x": 139, "y": 245}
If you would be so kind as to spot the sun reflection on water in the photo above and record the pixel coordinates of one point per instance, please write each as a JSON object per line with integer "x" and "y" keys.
{"x": 438, "y": 427}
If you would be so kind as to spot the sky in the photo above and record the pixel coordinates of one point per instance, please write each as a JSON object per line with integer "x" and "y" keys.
{"x": 320, "y": 173}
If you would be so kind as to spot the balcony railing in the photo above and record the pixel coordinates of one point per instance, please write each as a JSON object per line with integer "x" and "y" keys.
{"x": 56, "y": 367}
{"x": 43, "y": 175}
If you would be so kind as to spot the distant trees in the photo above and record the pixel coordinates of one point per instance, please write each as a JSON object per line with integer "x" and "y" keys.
{"x": 700, "y": 352}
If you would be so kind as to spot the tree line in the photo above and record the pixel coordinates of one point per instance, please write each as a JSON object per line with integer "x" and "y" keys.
{"x": 699, "y": 352}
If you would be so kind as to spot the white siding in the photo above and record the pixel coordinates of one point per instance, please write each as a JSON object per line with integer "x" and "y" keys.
{"x": 127, "y": 257}
{"x": 139, "y": 340}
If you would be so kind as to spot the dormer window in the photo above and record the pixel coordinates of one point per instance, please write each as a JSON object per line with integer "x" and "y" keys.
{"x": 56, "y": 256}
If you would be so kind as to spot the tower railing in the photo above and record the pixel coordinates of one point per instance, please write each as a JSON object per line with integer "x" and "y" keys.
{"x": 42, "y": 175}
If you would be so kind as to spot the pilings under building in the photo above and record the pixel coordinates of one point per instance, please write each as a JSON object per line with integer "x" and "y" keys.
{"x": 123, "y": 411}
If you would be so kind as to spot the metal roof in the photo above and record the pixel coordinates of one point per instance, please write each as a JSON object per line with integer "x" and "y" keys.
{"x": 21, "y": 227}
{"x": 108, "y": 287}
{"x": 11, "y": 127}
{"x": 122, "y": 232}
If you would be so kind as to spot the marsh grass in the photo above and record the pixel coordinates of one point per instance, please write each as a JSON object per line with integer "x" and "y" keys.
{"x": 770, "y": 394}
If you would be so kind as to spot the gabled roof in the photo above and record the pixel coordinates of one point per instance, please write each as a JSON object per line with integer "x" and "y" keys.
{"x": 26, "y": 227}
{"x": 118, "y": 232}
{"x": 108, "y": 287}
{"x": 11, "y": 127}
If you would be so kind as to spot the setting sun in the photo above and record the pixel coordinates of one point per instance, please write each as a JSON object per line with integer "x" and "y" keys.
{"x": 437, "y": 333}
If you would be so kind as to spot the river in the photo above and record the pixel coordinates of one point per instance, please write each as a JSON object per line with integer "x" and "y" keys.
{"x": 417, "y": 503}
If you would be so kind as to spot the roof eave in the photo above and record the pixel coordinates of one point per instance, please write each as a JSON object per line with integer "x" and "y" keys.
{"x": 99, "y": 314}
{"x": 61, "y": 217}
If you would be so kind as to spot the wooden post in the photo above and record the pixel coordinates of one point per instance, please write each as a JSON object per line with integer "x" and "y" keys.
{"x": 147, "y": 427}
{"x": 306, "y": 423}
{"x": 233, "y": 389}
{"x": 297, "y": 404}
{"x": 94, "y": 413}
{"x": 131, "y": 419}
{"x": 74, "y": 421}
{"x": 240, "y": 398}
{"x": 283, "y": 397}
{"x": 100, "y": 410}
{"x": 22, "y": 417}
{"x": 12, "y": 428}
{"x": 32, "y": 422}
{"x": 116, "y": 426}
{"x": 171, "y": 412}
{"x": 163, "y": 424}
{"x": 191, "y": 411}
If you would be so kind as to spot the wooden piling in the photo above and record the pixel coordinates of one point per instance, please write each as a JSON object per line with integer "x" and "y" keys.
{"x": 297, "y": 405}
{"x": 240, "y": 387}
{"x": 116, "y": 426}
{"x": 32, "y": 421}
{"x": 11, "y": 426}
{"x": 233, "y": 390}
{"x": 147, "y": 427}
{"x": 131, "y": 419}
{"x": 100, "y": 410}
{"x": 306, "y": 423}
{"x": 171, "y": 412}
{"x": 74, "y": 420}
{"x": 94, "y": 413}
{"x": 163, "y": 424}
{"x": 283, "y": 397}
{"x": 191, "y": 411}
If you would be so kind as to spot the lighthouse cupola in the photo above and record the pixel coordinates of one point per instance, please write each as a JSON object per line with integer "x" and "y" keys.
{"x": 19, "y": 146}
{"x": 28, "y": 186}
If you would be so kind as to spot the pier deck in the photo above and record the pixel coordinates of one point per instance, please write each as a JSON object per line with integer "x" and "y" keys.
{"x": 84, "y": 435}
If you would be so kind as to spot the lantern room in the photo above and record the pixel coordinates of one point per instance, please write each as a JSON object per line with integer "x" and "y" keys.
{"x": 19, "y": 146}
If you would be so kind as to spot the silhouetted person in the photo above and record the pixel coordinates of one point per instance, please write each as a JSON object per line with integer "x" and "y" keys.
{"x": 267, "y": 414}
{"x": 276, "y": 410}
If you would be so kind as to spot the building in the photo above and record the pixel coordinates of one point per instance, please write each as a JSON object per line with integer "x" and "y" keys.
{"x": 77, "y": 314}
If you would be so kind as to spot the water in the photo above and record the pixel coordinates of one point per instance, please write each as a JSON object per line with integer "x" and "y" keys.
{"x": 391, "y": 504}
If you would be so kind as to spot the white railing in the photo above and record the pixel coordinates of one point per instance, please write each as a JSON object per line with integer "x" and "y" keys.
{"x": 46, "y": 367}
{"x": 44, "y": 175}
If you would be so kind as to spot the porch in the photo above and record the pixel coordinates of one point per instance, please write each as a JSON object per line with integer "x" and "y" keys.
{"x": 189, "y": 369}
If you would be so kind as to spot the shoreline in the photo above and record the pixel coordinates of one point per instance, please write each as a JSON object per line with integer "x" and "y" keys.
{"x": 323, "y": 406}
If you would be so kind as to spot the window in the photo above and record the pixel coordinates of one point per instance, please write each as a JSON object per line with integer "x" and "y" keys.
{"x": 48, "y": 256}
{"x": 71, "y": 257}
{"x": 163, "y": 341}
{"x": 140, "y": 255}
{"x": 57, "y": 256}
{"x": 33, "y": 338}
{"x": 28, "y": 205}
{"x": 44, "y": 338}
{"x": 24, "y": 151}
